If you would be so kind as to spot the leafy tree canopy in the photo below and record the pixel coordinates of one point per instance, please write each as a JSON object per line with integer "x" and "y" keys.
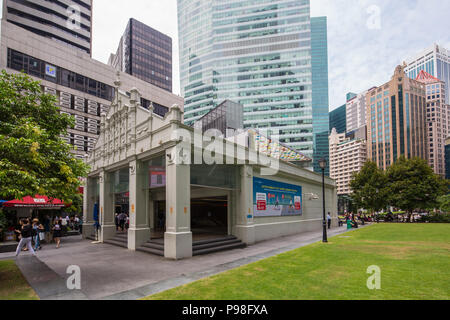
{"x": 414, "y": 185}
{"x": 369, "y": 188}
{"x": 33, "y": 157}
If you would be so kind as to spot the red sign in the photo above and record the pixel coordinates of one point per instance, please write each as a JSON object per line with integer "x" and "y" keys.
{"x": 261, "y": 205}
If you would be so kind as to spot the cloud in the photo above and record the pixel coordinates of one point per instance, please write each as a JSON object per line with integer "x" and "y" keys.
{"x": 110, "y": 18}
{"x": 361, "y": 55}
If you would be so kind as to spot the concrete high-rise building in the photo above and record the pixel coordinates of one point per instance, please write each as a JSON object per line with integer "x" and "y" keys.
{"x": 84, "y": 87}
{"x": 320, "y": 95}
{"x": 347, "y": 155}
{"x": 396, "y": 120}
{"x": 145, "y": 53}
{"x": 67, "y": 21}
{"x": 435, "y": 61}
{"x": 356, "y": 112}
{"x": 338, "y": 119}
{"x": 256, "y": 53}
{"x": 438, "y": 121}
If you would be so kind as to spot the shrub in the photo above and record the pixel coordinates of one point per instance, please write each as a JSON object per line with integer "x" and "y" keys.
{"x": 437, "y": 218}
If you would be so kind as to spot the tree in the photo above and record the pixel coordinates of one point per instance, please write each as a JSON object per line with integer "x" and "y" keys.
{"x": 33, "y": 157}
{"x": 369, "y": 188}
{"x": 444, "y": 203}
{"x": 414, "y": 185}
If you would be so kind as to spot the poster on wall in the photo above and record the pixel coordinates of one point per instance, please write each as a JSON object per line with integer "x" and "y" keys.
{"x": 276, "y": 199}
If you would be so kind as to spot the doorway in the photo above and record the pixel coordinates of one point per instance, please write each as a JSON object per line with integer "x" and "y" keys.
{"x": 209, "y": 218}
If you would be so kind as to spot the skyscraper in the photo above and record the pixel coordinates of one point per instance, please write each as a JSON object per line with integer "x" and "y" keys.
{"x": 356, "y": 111}
{"x": 435, "y": 61}
{"x": 347, "y": 155}
{"x": 396, "y": 120}
{"x": 145, "y": 53}
{"x": 68, "y": 21}
{"x": 255, "y": 53}
{"x": 338, "y": 119}
{"x": 320, "y": 97}
{"x": 438, "y": 121}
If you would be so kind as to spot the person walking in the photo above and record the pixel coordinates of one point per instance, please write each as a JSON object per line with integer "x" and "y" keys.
{"x": 26, "y": 233}
{"x": 122, "y": 217}
{"x": 37, "y": 227}
{"x": 57, "y": 231}
{"x": 47, "y": 230}
{"x": 80, "y": 225}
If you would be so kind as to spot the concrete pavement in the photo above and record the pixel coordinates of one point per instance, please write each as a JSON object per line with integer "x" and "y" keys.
{"x": 109, "y": 272}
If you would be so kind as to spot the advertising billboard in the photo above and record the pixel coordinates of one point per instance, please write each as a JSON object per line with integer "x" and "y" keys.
{"x": 276, "y": 199}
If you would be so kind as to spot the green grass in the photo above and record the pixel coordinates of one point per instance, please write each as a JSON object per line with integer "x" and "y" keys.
{"x": 13, "y": 285}
{"x": 414, "y": 261}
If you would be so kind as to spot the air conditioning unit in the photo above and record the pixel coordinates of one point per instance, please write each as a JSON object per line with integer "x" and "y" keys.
{"x": 79, "y": 143}
{"x": 51, "y": 91}
{"x": 79, "y": 128}
{"x": 78, "y": 137}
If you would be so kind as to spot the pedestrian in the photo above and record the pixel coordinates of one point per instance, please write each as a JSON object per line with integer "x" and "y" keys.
{"x": 80, "y": 225}
{"x": 116, "y": 220}
{"x": 122, "y": 217}
{"x": 26, "y": 233}
{"x": 37, "y": 227}
{"x": 57, "y": 231}
{"x": 17, "y": 231}
{"x": 47, "y": 230}
{"x": 329, "y": 220}
{"x": 127, "y": 222}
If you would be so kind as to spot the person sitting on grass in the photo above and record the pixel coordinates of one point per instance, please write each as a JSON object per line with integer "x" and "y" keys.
{"x": 349, "y": 224}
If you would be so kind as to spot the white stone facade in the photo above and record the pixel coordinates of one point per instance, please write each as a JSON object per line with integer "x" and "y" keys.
{"x": 346, "y": 157}
{"x": 131, "y": 136}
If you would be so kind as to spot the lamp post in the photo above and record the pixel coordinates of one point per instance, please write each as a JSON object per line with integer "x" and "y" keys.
{"x": 323, "y": 165}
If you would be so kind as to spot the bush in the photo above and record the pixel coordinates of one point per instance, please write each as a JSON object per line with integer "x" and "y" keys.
{"x": 436, "y": 218}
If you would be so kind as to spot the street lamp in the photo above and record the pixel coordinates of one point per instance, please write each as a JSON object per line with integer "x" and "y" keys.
{"x": 323, "y": 165}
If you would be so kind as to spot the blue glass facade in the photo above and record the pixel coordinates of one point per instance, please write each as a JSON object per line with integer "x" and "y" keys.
{"x": 320, "y": 97}
{"x": 338, "y": 119}
{"x": 255, "y": 53}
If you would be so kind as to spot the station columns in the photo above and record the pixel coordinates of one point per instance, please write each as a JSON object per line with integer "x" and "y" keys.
{"x": 178, "y": 236}
{"x": 139, "y": 231}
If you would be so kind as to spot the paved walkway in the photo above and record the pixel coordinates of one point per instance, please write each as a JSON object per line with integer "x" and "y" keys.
{"x": 109, "y": 272}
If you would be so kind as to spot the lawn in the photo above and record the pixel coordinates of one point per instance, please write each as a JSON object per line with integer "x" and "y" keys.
{"x": 13, "y": 285}
{"x": 414, "y": 260}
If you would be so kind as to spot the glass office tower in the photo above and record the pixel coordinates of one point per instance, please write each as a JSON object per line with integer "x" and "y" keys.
{"x": 435, "y": 61}
{"x": 145, "y": 53}
{"x": 320, "y": 97}
{"x": 255, "y": 53}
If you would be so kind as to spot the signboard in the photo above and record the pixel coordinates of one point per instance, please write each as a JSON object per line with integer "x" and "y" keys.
{"x": 157, "y": 176}
{"x": 276, "y": 199}
{"x": 50, "y": 70}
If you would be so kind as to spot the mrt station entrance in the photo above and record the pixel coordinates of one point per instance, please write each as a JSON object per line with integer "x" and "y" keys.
{"x": 209, "y": 218}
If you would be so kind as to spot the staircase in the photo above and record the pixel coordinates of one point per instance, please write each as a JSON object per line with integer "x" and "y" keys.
{"x": 153, "y": 247}
{"x": 120, "y": 240}
{"x": 216, "y": 245}
{"x": 198, "y": 247}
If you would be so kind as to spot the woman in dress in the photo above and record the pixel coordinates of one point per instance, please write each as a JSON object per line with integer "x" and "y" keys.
{"x": 57, "y": 228}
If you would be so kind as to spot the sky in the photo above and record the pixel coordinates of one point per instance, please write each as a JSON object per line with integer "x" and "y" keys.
{"x": 367, "y": 39}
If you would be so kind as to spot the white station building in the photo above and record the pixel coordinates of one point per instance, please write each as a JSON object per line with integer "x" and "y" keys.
{"x": 180, "y": 203}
